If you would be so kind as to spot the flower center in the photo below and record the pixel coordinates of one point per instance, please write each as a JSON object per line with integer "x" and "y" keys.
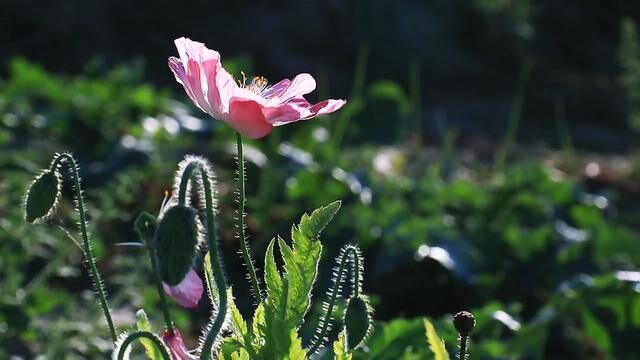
{"x": 257, "y": 85}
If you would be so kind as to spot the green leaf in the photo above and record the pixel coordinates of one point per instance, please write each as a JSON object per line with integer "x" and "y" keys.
{"x": 436, "y": 344}
{"x": 312, "y": 225}
{"x": 271, "y": 274}
{"x": 143, "y": 324}
{"x": 296, "y": 352}
{"x": 239, "y": 325}
{"x": 340, "y": 348}
{"x": 289, "y": 295}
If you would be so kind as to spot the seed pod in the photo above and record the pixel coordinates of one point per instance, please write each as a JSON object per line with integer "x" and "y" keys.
{"x": 42, "y": 196}
{"x": 356, "y": 321}
{"x": 176, "y": 239}
{"x": 464, "y": 322}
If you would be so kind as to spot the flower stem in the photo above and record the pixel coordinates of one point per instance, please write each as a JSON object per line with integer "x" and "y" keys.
{"x": 463, "y": 346}
{"x": 348, "y": 255}
{"x": 244, "y": 248}
{"x": 121, "y": 351}
{"x": 217, "y": 270}
{"x": 88, "y": 250}
{"x": 163, "y": 299}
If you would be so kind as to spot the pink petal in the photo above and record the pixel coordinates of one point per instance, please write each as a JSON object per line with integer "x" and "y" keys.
{"x": 188, "y": 292}
{"x": 189, "y": 49}
{"x": 300, "y": 109}
{"x": 302, "y": 84}
{"x": 176, "y": 346}
{"x": 206, "y": 82}
{"x": 277, "y": 89}
{"x": 327, "y": 106}
{"x": 246, "y": 117}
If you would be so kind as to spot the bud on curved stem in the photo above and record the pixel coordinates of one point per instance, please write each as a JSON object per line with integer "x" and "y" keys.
{"x": 199, "y": 169}
{"x": 124, "y": 342}
{"x": 41, "y": 199}
{"x": 357, "y": 315}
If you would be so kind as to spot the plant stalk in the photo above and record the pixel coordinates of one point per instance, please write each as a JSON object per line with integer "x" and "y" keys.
{"x": 88, "y": 250}
{"x": 244, "y": 248}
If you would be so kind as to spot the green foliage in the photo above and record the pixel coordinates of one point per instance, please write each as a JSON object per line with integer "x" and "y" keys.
{"x": 340, "y": 348}
{"x": 546, "y": 258}
{"x": 99, "y": 106}
{"x": 143, "y": 324}
{"x": 436, "y": 344}
{"x": 276, "y": 321}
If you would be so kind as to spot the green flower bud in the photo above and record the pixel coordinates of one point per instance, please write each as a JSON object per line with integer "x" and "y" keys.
{"x": 176, "y": 239}
{"x": 356, "y": 321}
{"x": 42, "y": 196}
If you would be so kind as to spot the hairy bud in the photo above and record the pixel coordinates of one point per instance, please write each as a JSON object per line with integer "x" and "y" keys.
{"x": 356, "y": 321}
{"x": 176, "y": 239}
{"x": 464, "y": 322}
{"x": 42, "y": 196}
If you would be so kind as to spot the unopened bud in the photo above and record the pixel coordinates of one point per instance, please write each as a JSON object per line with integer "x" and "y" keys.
{"x": 42, "y": 196}
{"x": 464, "y": 322}
{"x": 356, "y": 321}
{"x": 176, "y": 240}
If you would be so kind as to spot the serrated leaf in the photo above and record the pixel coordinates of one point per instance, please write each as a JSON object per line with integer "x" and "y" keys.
{"x": 289, "y": 295}
{"x": 436, "y": 344}
{"x": 258, "y": 321}
{"x": 272, "y": 277}
{"x": 239, "y": 325}
{"x": 312, "y": 225}
{"x": 340, "y": 348}
{"x": 143, "y": 324}
{"x": 296, "y": 352}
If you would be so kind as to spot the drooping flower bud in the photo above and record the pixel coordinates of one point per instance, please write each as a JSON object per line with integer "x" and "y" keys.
{"x": 42, "y": 196}
{"x": 176, "y": 239}
{"x": 357, "y": 321}
{"x": 188, "y": 292}
{"x": 176, "y": 346}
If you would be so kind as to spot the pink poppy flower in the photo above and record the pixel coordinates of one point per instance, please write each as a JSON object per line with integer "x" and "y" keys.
{"x": 253, "y": 108}
{"x": 188, "y": 292}
{"x": 176, "y": 346}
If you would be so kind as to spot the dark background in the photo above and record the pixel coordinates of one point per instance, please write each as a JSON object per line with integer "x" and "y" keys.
{"x": 471, "y": 54}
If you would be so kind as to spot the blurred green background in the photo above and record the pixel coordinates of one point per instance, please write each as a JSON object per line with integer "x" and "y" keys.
{"x": 488, "y": 159}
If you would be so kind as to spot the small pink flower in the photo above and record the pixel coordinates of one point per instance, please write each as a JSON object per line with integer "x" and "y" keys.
{"x": 188, "y": 292}
{"x": 176, "y": 346}
{"x": 252, "y": 109}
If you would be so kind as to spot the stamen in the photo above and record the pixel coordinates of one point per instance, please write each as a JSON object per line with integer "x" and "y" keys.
{"x": 257, "y": 85}
{"x": 167, "y": 196}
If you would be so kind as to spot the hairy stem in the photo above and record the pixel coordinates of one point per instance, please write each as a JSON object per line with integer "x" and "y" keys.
{"x": 217, "y": 270}
{"x": 348, "y": 255}
{"x": 122, "y": 349}
{"x": 463, "y": 347}
{"x": 153, "y": 254}
{"x": 244, "y": 248}
{"x": 88, "y": 250}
